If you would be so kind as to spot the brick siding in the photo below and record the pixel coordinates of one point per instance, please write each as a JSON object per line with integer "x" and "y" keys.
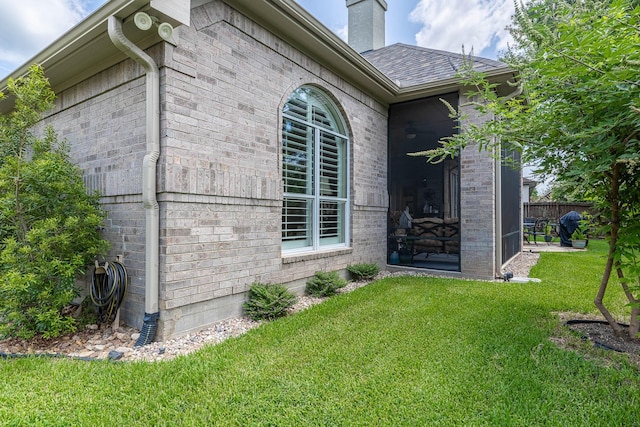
{"x": 219, "y": 174}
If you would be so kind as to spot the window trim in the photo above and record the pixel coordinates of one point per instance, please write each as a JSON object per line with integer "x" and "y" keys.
{"x": 316, "y": 198}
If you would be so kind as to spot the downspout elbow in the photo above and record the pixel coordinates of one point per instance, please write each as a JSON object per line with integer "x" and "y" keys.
{"x": 128, "y": 47}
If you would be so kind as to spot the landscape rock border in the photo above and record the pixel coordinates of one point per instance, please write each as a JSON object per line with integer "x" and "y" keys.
{"x": 95, "y": 343}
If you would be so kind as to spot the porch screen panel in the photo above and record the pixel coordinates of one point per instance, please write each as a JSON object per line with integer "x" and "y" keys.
{"x": 511, "y": 204}
{"x": 454, "y": 190}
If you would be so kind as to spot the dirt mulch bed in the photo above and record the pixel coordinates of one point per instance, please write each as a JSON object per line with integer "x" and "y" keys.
{"x": 599, "y": 335}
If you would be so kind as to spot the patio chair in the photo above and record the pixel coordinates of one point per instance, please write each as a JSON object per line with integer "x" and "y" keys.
{"x": 533, "y": 227}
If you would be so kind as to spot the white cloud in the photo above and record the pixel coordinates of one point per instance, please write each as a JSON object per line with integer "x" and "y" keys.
{"x": 450, "y": 24}
{"x": 342, "y": 32}
{"x": 28, "y": 26}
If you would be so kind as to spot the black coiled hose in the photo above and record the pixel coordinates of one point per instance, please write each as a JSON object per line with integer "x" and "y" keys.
{"x": 108, "y": 288}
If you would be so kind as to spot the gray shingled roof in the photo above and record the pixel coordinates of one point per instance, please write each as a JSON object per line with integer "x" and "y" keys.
{"x": 412, "y": 65}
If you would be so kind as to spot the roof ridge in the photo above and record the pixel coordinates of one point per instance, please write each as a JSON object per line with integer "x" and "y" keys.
{"x": 447, "y": 53}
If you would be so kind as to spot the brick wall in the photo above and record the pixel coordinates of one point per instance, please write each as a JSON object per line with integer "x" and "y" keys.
{"x": 227, "y": 81}
{"x": 478, "y": 205}
{"x": 103, "y": 122}
{"x": 219, "y": 183}
{"x": 219, "y": 175}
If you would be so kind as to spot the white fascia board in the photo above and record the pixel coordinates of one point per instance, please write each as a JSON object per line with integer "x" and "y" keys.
{"x": 175, "y": 12}
{"x": 500, "y": 76}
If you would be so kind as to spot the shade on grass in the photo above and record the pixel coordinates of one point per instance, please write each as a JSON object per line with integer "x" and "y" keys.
{"x": 401, "y": 351}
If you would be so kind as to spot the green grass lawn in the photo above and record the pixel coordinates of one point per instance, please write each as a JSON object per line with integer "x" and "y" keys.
{"x": 399, "y": 352}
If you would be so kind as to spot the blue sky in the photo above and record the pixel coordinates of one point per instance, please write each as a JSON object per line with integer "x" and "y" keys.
{"x": 28, "y": 26}
{"x": 439, "y": 24}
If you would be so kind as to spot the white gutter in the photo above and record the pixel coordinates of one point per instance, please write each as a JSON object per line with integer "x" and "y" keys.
{"x": 152, "y": 212}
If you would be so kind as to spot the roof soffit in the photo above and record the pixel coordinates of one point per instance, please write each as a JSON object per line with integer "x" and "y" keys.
{"x": 504, "y": 77}
{"x": 84, "y": 49}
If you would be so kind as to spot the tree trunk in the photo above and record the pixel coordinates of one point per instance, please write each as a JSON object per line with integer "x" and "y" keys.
{"x": 615, "y": 227}
{"x": 634, "y": 323}
{"x": 618, "y": 330}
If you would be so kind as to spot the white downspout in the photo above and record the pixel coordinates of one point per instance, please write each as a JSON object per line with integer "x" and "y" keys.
{"x": 152, "y": 212}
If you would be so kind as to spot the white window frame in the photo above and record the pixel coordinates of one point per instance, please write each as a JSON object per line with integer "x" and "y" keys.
{"x": 314, "y": 176}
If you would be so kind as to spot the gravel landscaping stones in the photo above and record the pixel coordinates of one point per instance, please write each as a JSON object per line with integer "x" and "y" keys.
{"x": 97, "y": 343}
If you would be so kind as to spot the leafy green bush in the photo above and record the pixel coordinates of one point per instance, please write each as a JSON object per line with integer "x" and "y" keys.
{"x": 268, "y": 301}
{"x": 364, "y": 271}
{"x": 325, "y": 284}
{"x": 49, "y": 230}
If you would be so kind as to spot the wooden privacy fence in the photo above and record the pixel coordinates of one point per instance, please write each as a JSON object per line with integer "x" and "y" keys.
{"x": 555, "y": 210}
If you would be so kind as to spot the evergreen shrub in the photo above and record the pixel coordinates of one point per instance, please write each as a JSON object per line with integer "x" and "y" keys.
{"x": 364, "y": 271}
{"x": 268, "y": 301}
{"x": 324, "y": 284}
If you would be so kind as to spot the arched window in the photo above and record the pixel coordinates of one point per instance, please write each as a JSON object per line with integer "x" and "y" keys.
{"x": 315, "y": 158}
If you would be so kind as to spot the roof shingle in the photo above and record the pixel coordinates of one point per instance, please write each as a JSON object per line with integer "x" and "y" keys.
{"x": 412, "y": 65}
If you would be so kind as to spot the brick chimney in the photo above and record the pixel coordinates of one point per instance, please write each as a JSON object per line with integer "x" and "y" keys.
{"x": 366, "y": 24}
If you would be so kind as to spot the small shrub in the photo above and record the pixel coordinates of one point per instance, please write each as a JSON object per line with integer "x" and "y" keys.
{"x": 268, "y": 301}
{"x": 325, "y": 284}
{"x": 363, "y": 271}
{"x": 49, "y": 224}
{"x": 584, "y": 228}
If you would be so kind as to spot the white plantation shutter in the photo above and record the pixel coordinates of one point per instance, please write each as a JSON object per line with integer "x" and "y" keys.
{"x": 314, "y": 173}
{"x": 297, "y": 155}
{"x": 332, "y": 188}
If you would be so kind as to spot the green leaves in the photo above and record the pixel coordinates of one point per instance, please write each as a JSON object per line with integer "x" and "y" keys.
{"x": 364, "y": 271}
{"x": 578, "y": 64}
{"x": 268, "y": 301}
{"x": 48, "y": 223}
{"x": 324, "y": 284}
{"x": 33, "y": 97}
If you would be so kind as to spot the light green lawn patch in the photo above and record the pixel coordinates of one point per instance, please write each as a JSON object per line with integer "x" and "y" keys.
{"x": 401, "y": 351}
